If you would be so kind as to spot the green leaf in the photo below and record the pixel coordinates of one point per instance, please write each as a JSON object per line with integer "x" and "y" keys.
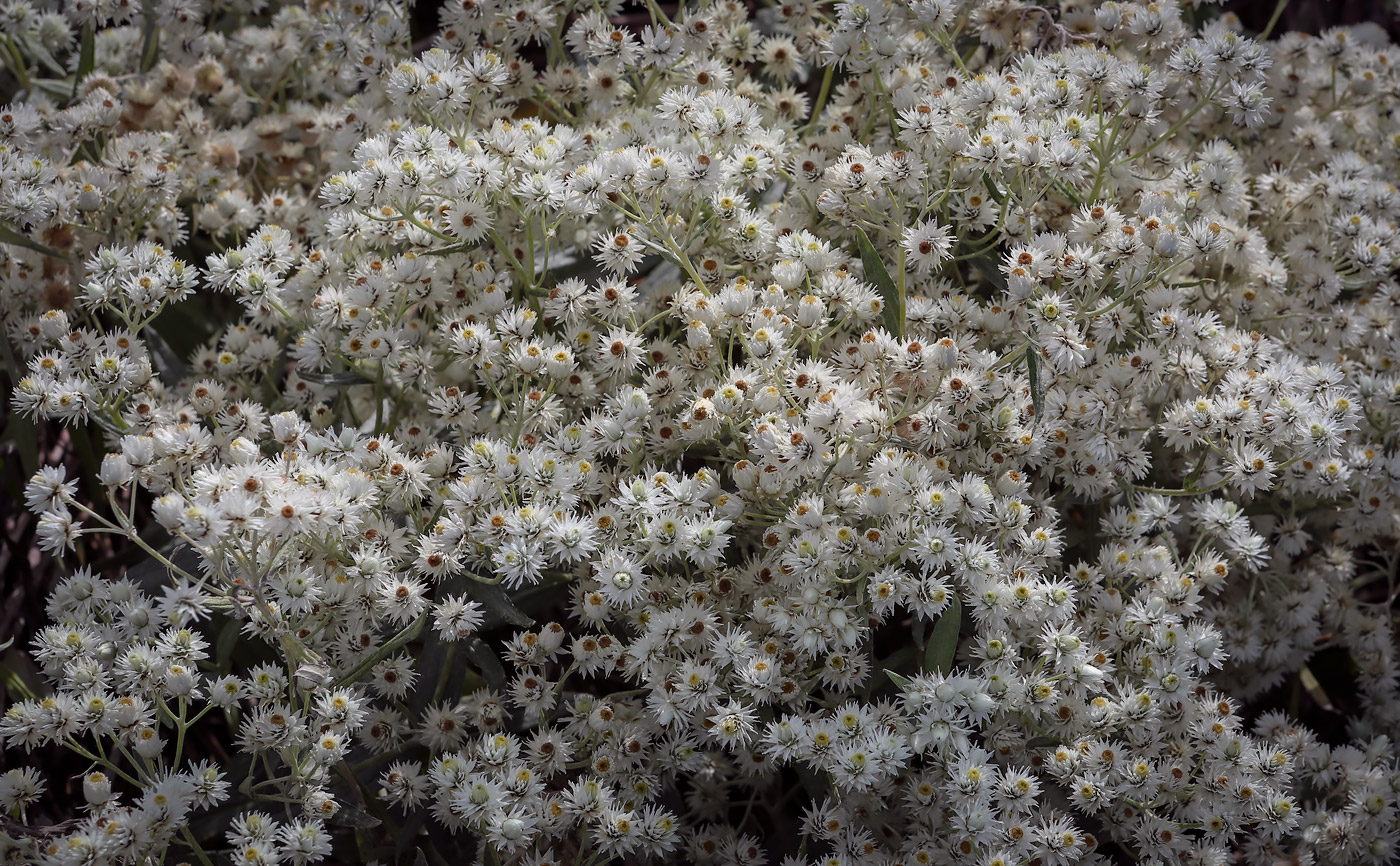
{"x": 359, "y": 819}
{"x": 349, "y": 377}
{"x": 1126, "y": 487}
{"x": 408, "y": 832}
{"x": 1037, "y": 389}
{"x": 986, "y": 265}
{"x": 813, "y": 784}
{"x": 487, "y": 661}
{"x": 224, "y": 645}
{"x": 453, "y": 248}
{"x": 1196, "y": 473}
{"x": 24, "y": 436}
{"x": 494, "y": 597}
{"x": 185, "y": 325}
{"x": 877, "y": 273}
{"x": 899, "y": 680}
{"x": 943, "y": 643}
{"x": 10, "y": 236}
{"x": 1315, "y": 690}
{"x": 37, "y": 50}
{"x": 18, "y": 676}
{"x": 150, "y": 42}
{"x": 1042, "y": 743}
{"x": 663, "y": 273}
{"x": 168, "y": 364}
{"x": 773, "y": 194}
{"x": 997, "y": 195}
{"x": 1069, "y": 192}
{"x": 87, "y": 57}
{"x": 60, "y": 90}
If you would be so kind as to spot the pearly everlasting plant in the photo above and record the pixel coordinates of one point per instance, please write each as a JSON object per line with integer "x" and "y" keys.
{"x": 819, "y": 433}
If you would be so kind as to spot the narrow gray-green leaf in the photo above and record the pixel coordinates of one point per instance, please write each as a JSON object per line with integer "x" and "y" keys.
{"x": 773, "y": 194}
{"x": 349, "y": 377}
{"x": 1042, "y": 743}
{"x": 877, "y": 273}
{"x": 562, "y": 263}
{"x": 168, "y": 364}
{"x": 359, "y": 819}
{"x": 87, "y": 57}
{"x": 1196, "y": 473}
{"x": 813, "y": 784}
{"x": 19, "y": 676}
{"x": 997, "y": 195}
{"x": 487, "y": 661}
{"x": 1037, "y": 388}
{"x": 453, "y": 248}
{"x": 493, "y": 597}
{"x": 10, "y": 236}
{"x": 150, "y": 42}
{"x": 23, "y": 434}
{"x": 664, "y": 273}
{"x": 36, "y": 49}
{"x": 225, "y": 643}
{"x": 943, "y": 642}
{"x": 409, "y": 831}
{"x": 899, "y": 680}
{"x": 986, "y": 265}
{"x": 1315, "y": 690}
{"x": 60, "y": 90}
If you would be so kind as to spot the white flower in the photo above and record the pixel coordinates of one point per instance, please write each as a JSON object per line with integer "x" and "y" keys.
{"x": 732, "y": 724}
{"x": 21, "y": 788}
{"x": 926, "y": 245}
{"x": 48, "y": 489}
{"x": 457, "y": 618}
{"x": 620, "y": 253}
{"x": 401, "y": 599}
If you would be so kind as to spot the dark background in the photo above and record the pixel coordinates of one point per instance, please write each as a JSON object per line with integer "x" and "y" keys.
{"x": 1314, "y": 16}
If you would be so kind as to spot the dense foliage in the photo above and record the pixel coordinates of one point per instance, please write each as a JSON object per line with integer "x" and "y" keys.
{"x": 830, "y": 433}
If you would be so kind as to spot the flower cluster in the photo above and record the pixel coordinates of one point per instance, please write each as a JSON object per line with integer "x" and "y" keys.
{"x": 850, "y": 433}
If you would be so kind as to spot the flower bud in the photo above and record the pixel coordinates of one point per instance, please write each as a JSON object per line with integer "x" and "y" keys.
{"x": 115, "y": 471}
{"x": 147, "y": 742}
{"x": 97, "y": 788}
{"x": 179, "y": 681}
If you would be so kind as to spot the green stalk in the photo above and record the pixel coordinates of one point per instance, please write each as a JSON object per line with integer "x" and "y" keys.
{"x": 1273, "y": 19}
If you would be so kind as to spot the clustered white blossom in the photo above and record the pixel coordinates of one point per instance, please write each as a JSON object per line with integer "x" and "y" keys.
{"x": 929, "y": 424}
